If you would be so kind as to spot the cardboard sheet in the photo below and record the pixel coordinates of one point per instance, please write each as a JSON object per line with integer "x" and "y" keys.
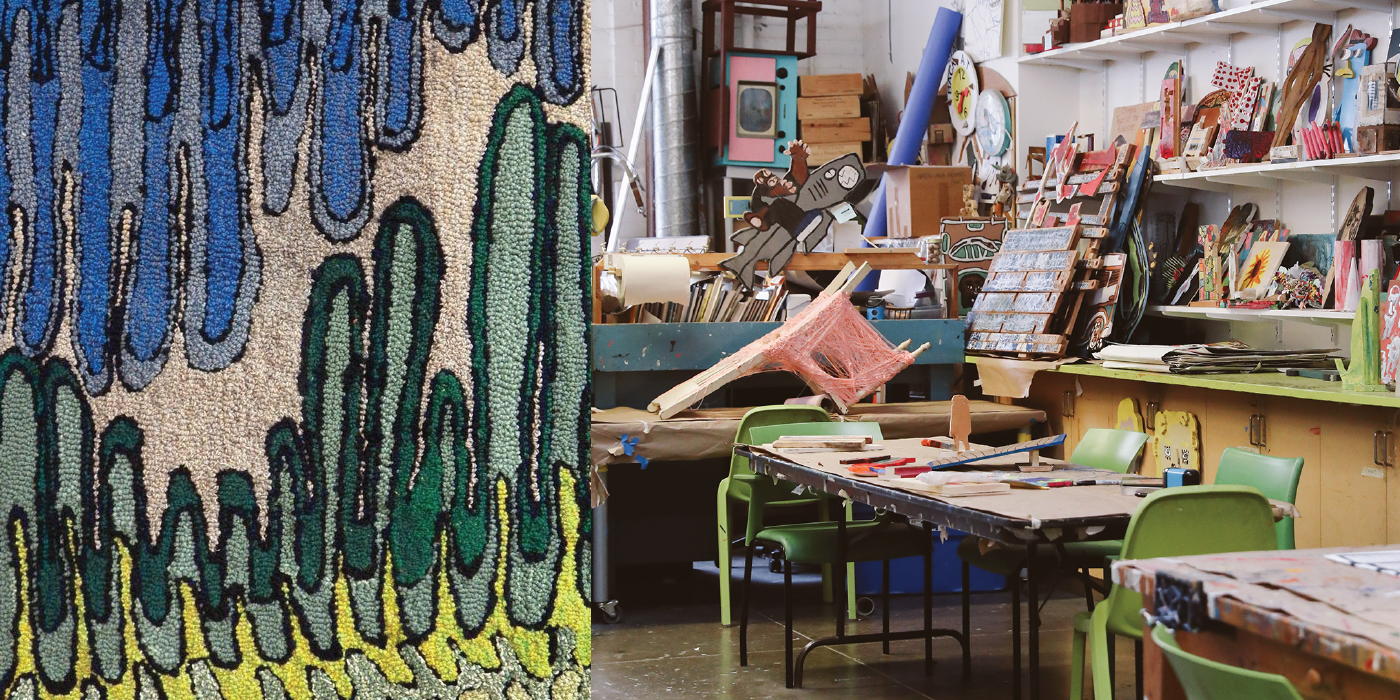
{"x": 1298, "y": 585}
{"x": 1011, "y": 378}
{"x": 709, "y": 433}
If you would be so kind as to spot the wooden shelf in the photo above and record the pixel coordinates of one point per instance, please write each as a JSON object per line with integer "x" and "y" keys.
{"x": 1215, "y": 29}
{"x": 1266, "y": 383}
{"x": 1319, "y": 317}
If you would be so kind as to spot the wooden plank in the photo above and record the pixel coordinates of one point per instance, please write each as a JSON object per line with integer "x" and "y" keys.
{"x": 828, "y": 107}
{"x": 830, "y": 84}
{"x": 846, "y": 130}
{"x": 969, "y": 456}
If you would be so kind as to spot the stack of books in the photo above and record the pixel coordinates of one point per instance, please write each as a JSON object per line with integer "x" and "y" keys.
{"x": 719, "y": 299}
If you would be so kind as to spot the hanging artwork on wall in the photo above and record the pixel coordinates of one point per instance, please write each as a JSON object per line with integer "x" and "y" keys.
{"x": 260, "y": 439}
{"x": 981, "y": 28}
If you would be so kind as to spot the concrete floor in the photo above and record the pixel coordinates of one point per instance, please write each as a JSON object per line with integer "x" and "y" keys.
{"x": 670, "y": 644}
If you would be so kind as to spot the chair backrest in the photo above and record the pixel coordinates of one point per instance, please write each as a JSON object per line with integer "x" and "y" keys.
{"x": 1203, "y": 679}
{"x": 1275, "y": 477}
{"x": 1190, "y": 520}
{"x": 770, "y": 415}
{"x": 1107, "y": 448}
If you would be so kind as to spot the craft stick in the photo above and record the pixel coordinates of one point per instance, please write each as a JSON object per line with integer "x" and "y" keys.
{"x": 840, "y": 277}
{"x": 856, "y": 277}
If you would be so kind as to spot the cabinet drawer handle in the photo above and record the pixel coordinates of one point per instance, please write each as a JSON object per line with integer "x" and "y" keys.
{"x": 1384, "y": 438}
{"x": 1067, "y": 404}
{"x": 1151, "y": 415}
{"x": 1256, "y": 430}
{"x": 1376, "y": 441}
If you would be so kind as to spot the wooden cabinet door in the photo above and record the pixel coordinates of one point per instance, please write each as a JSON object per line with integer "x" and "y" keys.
{"x": 1293, "y": 428}
{"x": 1048, "y": 394}
{"x": 1226, "y": 424}
{"x": 1353, "y": 489}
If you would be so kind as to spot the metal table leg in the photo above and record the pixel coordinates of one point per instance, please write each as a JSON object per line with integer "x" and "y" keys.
{"x": 601, "y": 562}
{"x": 1033, "y": 620}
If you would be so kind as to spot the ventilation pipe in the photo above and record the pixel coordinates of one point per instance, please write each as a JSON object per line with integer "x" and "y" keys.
{"x": 675, "y": 143}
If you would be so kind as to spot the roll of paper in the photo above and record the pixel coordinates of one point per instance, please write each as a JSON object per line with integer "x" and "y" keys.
{"x": 1344, "y": 260}
{"x": 1372, "y": 257}
{"x": 645, "y": 279}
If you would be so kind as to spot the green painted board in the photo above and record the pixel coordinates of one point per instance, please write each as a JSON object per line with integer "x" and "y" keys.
{"x": 1267, "y": 383}
{"x": 638, "y": 347}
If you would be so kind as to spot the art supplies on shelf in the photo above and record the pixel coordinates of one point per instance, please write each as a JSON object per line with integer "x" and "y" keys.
{"x": 1231, "y": 356}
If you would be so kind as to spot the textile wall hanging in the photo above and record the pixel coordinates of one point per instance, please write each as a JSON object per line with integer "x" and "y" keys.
{"x": 293, "y": 391}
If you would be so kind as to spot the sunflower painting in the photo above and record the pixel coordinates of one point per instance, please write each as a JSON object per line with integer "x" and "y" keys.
{"x": 1258, "y": 270}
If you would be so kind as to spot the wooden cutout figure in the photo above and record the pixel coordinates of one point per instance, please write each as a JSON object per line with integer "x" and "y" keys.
{"x": 1171, "y": 108}
{"x": 1128, "y": 417}
{"x": 960, "y": 427}
{"x": 1177, "y": 442}
{"x": 1365, "y": 371}
{"x": 1390, "y": 334}
{"x": 792, "y": 211}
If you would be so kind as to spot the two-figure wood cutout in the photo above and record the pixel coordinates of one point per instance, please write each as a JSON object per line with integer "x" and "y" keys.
{"x": 792, "y": 211}
{"x": 830, "y": 345}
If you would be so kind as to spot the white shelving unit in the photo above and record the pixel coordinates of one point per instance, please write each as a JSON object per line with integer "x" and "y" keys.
{"x": 1266, "y": 176}
{"x": 1216, "y": 29}
{"x": 1317, "y": 317}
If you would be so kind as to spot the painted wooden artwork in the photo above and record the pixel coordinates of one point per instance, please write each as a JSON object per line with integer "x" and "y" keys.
{"x": 1247, "y": 146}
{"x": 1024, "y": 294}
{"x": 1176, "y": 442}
{"x": 792, "y": 212}
{"x": 1364, "y": 374}
{"x": 1257, "y": 273}
{"x": 1096, "y": 317}
{"x": 1390, "y": 334}
{"x": 1171, "y": 109}
{"x": 970, "y": 244}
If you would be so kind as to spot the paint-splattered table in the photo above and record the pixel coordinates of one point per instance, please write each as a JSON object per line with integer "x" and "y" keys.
{"x": 1331, "y": 629}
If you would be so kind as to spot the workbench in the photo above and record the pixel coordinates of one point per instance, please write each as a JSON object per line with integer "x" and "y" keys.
{"x": 1331, "y": 629}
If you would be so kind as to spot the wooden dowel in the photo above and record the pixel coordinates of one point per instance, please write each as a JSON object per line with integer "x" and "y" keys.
{"x": 920, "y": 349}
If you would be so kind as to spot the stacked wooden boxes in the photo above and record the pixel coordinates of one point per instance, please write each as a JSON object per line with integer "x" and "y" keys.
{"x": 829, "y": 115}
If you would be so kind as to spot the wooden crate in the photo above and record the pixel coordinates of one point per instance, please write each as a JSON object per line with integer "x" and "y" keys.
{"x": 828, "y": 107}
{"x": 827, "y": 152}
{"x": 847, "y": 130}
{"x": 833, "y": 84}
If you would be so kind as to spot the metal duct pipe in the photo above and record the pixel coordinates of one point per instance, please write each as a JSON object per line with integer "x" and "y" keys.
{"x": 674, "y": 134}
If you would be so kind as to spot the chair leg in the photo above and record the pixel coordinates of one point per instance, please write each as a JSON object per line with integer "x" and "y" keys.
{"x": 787, "y": 618}
{"x": 1137, "y": 667}
{"x": 1015, "y": 582}
{"x": 928, "y": 603}
{"x": 967, "y": 620}
{"x": 1101, "y": 654}
{"x": 824, "y": 515}
{"x": 1088, "y": 590}
{"x": 722, "y": 509}
{"x": 744, "y": 594}
{"x": 1076, "y": 666}
{"x": 851, "y": 610}
{"x": 1111, "y": 642}
{"x": 885, "y": 604}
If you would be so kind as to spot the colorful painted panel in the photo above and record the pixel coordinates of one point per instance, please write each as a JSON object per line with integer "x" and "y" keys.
{"x": 295, "y": 397}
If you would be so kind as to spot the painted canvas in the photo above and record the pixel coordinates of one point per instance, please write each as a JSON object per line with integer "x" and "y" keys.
{"x": 1257, "y": 272}
{"x": 294, "y": 396}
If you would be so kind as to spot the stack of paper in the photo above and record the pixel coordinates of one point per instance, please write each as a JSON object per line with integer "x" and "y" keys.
{"x": 1202, "y": 359}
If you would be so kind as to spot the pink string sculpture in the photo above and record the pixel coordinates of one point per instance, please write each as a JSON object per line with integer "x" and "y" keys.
{"x": 830, "y": 345}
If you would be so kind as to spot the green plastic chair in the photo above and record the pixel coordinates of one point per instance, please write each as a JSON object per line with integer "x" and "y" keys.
{"x": 1203, "y": 679}
{"x": 1275, "y": 477}
{"x": 1172, "y": 522}
{"x": 761, "y": 493}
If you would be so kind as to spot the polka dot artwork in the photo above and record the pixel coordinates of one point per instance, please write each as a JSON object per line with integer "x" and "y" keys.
{"x": 295, "y": 393}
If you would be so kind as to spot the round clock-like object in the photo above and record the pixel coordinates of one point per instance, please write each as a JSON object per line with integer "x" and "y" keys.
{"x": 962, "y": 92}
{"x": 993, "y": 123}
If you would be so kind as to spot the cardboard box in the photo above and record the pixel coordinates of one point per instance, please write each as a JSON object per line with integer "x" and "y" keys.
{"x": 919, "y": 197}
{"x": 828, "y": 107}
{"x": 833, "y": 84}
{"x": 836, "y": 130}
{"x": 822, "y": 153}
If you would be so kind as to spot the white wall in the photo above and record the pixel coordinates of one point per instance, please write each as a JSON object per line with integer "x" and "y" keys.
{"x": 619, "y": 60}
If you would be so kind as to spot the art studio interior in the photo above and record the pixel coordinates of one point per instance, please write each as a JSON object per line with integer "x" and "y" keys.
{"x": 994, "y": 349}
